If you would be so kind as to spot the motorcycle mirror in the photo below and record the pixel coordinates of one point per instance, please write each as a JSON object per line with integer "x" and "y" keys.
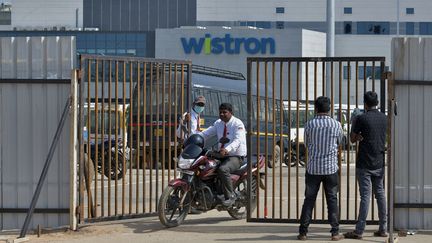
{"x": 224, "y": 140}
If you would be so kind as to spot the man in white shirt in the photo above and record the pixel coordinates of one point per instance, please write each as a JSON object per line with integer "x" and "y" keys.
{"x": 194, "y": 118}
{"x": 230, "y": 127}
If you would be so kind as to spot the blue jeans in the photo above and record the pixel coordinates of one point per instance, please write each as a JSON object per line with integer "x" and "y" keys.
{"x": 331, "y": 186}
{"x": 371, "y": 179}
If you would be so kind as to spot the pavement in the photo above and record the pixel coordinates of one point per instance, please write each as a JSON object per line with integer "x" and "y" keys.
{"x": 212, "y": 226}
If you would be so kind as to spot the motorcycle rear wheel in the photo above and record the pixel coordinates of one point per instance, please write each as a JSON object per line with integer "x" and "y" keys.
{"x": 111, "y": 174}
{"x": 239, "y": 210}
{"x": 169, "y": 205}
{"x": 294, "y": 160}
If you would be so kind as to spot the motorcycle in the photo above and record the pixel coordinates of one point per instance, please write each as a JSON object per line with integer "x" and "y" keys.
{"x": 115, "y": 168}
{"x": 301, "y": 155}
{"x": 199, "y": 186}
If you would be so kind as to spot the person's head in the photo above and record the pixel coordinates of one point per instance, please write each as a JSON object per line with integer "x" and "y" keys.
{"x": 370, "y": 99}
{"x": 198, "y": 104}
{"x": 225, "y": 112}
{"x": 322, "y": 104}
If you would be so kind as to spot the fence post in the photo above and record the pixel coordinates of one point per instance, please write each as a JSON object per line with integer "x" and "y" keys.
{"x": 73, "y": 157}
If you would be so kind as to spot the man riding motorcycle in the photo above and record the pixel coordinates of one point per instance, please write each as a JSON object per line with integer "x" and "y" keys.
{"x": 228, "y": 126}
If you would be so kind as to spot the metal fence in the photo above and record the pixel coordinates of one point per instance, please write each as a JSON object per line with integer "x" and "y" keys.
{"x": 412, "y": 132}
{"x": 281, "y": 92}
{"x": 129, "y": 109}
{"x": 30, "y": 111}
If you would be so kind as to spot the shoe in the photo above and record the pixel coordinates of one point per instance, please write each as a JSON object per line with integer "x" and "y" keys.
{"x": 194, "y": 211}
{"x": 353, "y": 235}
{"x": 380, "y": 234}
{"x": 337, "y": 237}
{"x": 228, "y": 202}
{"x": 301, "y": 236}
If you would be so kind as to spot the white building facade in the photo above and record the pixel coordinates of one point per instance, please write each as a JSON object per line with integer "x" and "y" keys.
{"x": 363, "y": 28}
{"x": 44, "y": 15}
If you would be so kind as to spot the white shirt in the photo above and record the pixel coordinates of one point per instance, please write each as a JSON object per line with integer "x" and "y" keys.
{"x": 194, "y": 119}
{"x": 236, "y": 133}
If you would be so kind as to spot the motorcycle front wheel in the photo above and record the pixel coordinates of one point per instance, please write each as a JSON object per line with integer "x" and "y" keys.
{"x": 170, "y": 209}
{"x": 239, "y": 209}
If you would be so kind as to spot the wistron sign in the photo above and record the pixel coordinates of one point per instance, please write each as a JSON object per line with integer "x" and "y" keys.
{"x": 228, "y": 44}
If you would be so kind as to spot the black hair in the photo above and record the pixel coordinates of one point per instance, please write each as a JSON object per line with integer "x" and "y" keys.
{"x": 226, "y": 106}
{"x": 370, "y": 98}
{"x": 322, "y": 104}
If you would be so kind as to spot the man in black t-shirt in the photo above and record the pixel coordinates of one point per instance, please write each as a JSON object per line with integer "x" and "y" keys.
{"x": 370, "y": 130}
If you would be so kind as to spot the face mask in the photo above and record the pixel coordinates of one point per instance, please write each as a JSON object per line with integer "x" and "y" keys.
{"x": 198, "y": 109}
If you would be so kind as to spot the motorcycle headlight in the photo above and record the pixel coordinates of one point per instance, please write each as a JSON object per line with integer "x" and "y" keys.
{"x": 185, "y": 163}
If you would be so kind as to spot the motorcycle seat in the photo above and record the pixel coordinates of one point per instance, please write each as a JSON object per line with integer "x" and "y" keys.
{"x": 243, "y": 168}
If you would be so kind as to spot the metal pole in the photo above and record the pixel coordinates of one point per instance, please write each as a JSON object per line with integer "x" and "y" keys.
{"x": 45, "y": 169}
{"x": 397, "y": 18}
{"x": 330, "y": 39}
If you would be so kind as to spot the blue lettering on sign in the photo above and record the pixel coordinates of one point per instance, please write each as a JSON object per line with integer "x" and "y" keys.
{"x": 228, "y": 44}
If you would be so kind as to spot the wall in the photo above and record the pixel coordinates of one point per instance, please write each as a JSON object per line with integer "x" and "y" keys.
{"x": 29, "y": 116}
{"x": 138, "y": 15}
{"x": 37, "y": 57}
{"x": 40, "y": 14}
{"x": 412, "y": 130}
{"x": 311, "y": 10}
{"x": 34, "y": 87}
{"x": 288, "y": 43}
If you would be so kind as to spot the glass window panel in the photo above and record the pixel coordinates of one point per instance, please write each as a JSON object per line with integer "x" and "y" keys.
{"x": 131, "y": 52}
{"x": 140, "y": 37}
{"x": 409, "y": 10}
{"x": 110, "y": 37}
{"x": 373, "y": 28}
{"x": 348, "y": 27}
{"x": 280, "y": 10}
{"x": 348, "y": 10}
{"x": 251, "y": 23}
{"x": 409, "y": 28}
{"x": 425, "y": 28}
{"x": 121, "y": 37}
{"x": 263, "y": 24}
{"x": 280, "y": 24}
{"x": 131, "y": 37}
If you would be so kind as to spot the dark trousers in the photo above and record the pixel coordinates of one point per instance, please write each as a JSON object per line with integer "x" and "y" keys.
{"x": 313, "y": 182}
{"x": 371, "y": 181}
{"x": 228, "y": 166}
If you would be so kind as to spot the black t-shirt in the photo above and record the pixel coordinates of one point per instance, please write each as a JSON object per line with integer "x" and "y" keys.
{"x": 372, "y": 125}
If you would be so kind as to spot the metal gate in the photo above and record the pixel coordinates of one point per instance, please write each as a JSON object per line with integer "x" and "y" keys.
{"x": 128, "y": 113}
{"x": 281, "y": 92}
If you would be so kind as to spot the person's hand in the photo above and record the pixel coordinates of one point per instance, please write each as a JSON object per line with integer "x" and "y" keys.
{"x": 223, "y": 152}
{"x": 187, "y": 118}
